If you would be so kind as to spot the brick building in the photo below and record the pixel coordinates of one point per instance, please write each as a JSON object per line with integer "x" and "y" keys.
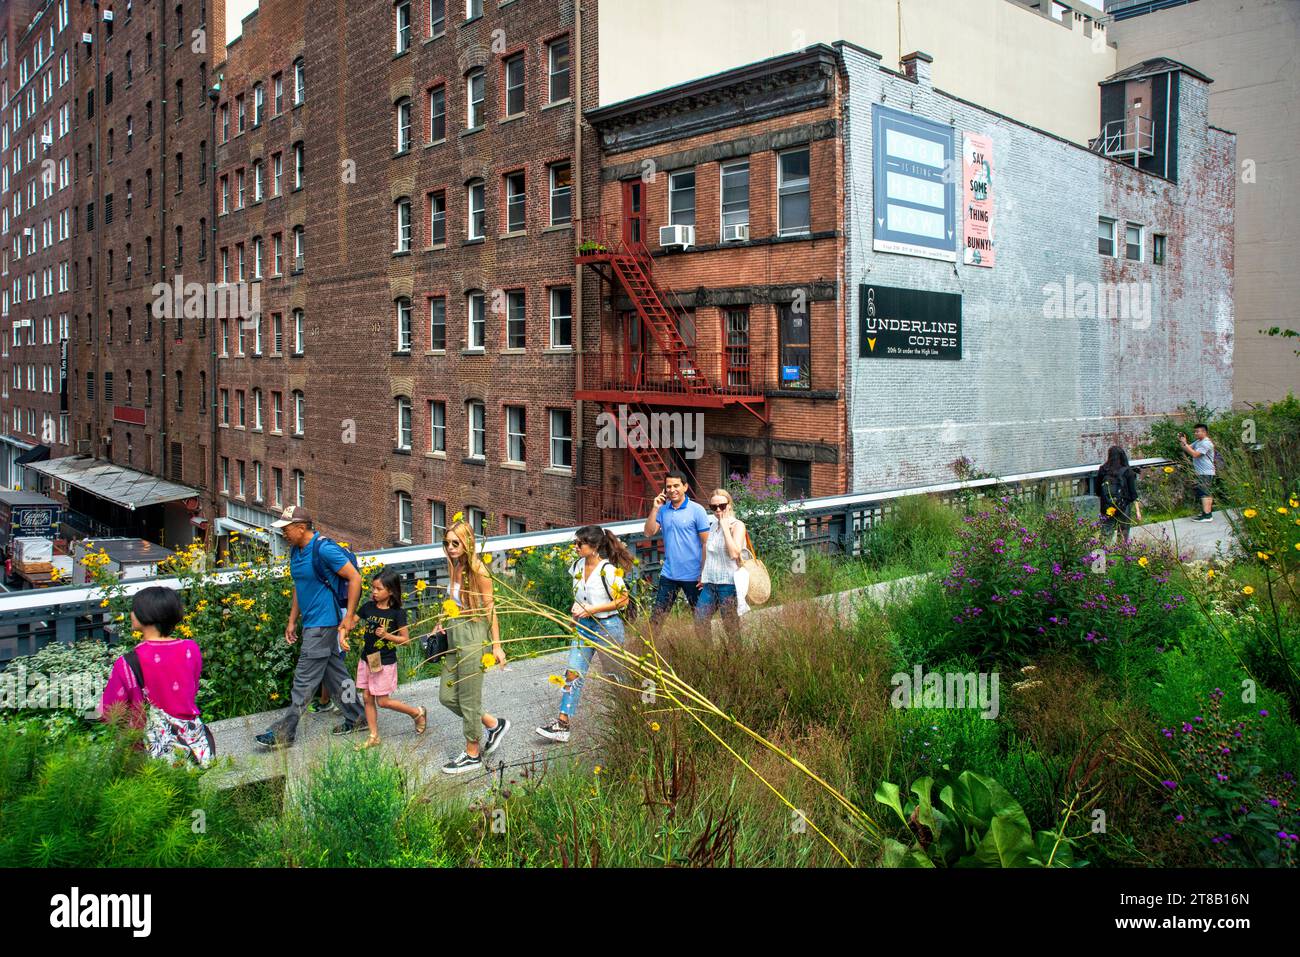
{"x": 722, "y": 244}
{"x": 37, "y": 53}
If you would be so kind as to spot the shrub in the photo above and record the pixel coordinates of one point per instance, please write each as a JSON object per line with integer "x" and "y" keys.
{"x": 95, "y": 802}
{"x": 917, "y": 533}
{"x": 1244, "y": 817}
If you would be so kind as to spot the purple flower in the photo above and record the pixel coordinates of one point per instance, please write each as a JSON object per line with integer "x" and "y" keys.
{"x": 1187, "y": 728}
{"x": 1263, "y": 712}
{"x": 1172, "y": 785}
{"x": 1179, "y": 819}
{"x": 1272, "y": 802}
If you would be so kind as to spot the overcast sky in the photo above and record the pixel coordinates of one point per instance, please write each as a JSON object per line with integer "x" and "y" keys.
{"x": 236, "y": 10}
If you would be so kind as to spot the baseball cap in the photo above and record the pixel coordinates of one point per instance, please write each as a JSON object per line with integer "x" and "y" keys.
{"x": 291, "y": 515}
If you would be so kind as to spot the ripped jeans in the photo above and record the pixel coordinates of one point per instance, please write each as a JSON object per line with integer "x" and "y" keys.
{"x": 601, "y": 631}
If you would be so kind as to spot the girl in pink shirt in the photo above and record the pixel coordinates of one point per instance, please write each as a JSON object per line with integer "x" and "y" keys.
{"x": 160, "y": 686}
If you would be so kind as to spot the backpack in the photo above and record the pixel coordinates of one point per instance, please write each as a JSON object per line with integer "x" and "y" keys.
{"x": 1112, "y": 491}
{"x": 177, "y": 739}
{"x": 576, "y": 570}
{"x": 326, "y": 576}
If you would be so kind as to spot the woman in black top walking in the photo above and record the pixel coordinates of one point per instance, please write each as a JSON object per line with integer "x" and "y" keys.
{"x": 1117, "y": 489}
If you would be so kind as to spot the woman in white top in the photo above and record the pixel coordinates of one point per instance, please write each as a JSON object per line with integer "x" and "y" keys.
{"x": 599, "y": 596}
{"x": 721, "y": 562}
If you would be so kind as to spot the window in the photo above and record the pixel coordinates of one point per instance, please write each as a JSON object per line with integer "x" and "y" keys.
{"x": 437, "y": 323}
{"x": 557, "y": 65}
{"x": 475, "y": 201}
{"x": 561, "y": 194}
{"x": 1158, "y": 249}
{"x": 562, "y": 318}
{"x": 1105, "y": 236}
{"x": 473, "y": 99}
{"x": 735, "y": 198}
{"x": 277, "y": 256}
{"x": 473, "y": 9}
{"x": 405, "y": 519}
{"x": 438, "y": 520}
{"x": 241, "y": 404}
{"x": 277, "y": 411}
{"x": 403, "y": 325}
{"x": 1133, "y": 242}
{"x": 438, "y": 218}
{"x": 437, "y": 114}
{"x": 257, "y": 409}
{"x": 299, "y": 82}
{"x": 515, "y": 202}
{"x": 437, "y": 426}
{"x": 516, "y": 318}
{"x": 257, "y": 274}
{"x": 225, "y": 474}
{"x": 735, "y": 467}
{"x": 514, "y": 75}
{"x": 257, "y": 482}
{"x": 437, "y": 17}
{"x": 476, "y": 414}
{"x": 277, "y": 486}
{"x": 277, "y": 173}
{"x": 242, "y": 472}
{"x": 299, "y": 165}
{"x": 241, "y": 111}
{"x": 402, "y": 42}
{"x": 515, "y": 450}
{"x": 299, "y": 332}
{"x": 477, "y": 320}
{"x": 793, "y": 193}
{"x": 180, "y": 390}
{"x": 403, "y": 225}
{"x": 277, "y": 91}
{"x": 259, "y": 104}
{"x": 477, "y": 520}
{"x": 257, "y": 182}
{"x": 299, "y": 256}
{"x": 403, "y": 125}
{"x": 796, "y": 372}
{"x": 203, "y": 393}
{"x": 299, "y": 487}
{"x": 681, "y": 198}
{"x": 299, "y": 412}
{"x": 404, "y": 423}
{"x": 796, "y": 478}
{"x": 561, "y": 438}
{"x": 225, "y": 122}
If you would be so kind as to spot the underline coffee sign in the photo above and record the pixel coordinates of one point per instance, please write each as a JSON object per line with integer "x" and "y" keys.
{"x": 908, "y": 323}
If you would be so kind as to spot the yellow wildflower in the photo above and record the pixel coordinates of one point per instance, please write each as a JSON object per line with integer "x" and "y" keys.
{"x": 618, "y": 572}
{"x": 1111, "y": 510}
{"x": 1293, "y": 503}
{"x": 458, "y": 516}
{"x": 1250, "y": 513}
{"x": 596, "y": 770}
{"x": 450, "y": 608}
{"x": 275, "y": 696}
{"x": 1281, "y": 509}
{"x": 488, "y": 661}
{"x": 1143, "y": 561}
{"x": 654, "y": 725}
{"x": 556, "y": 680}
{"x": 421, "y": 585}
{"x": 1263, "y": 556}
{"x": 1210, "y": 573}
{"x": 104, "y": 603}
{"x": 1169, "y": 469}
{"x": 1248, "y": 590}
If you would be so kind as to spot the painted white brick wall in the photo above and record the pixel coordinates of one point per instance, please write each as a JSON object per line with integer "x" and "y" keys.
{"x": 1032, "y": 392}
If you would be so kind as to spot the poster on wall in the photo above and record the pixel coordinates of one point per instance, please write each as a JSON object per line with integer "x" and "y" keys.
{"x": 908, "y": 323}
{"x": 977, "y": 166}
{"x": 915, "y": 203}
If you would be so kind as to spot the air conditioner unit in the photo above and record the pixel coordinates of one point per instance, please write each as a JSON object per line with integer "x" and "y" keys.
{"x": 83, "y": 446}
{"x": 735, "y": 233}
{"x": 683, "y": 236}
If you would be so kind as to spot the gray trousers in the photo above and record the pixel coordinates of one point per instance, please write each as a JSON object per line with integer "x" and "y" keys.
{"x": 318, "y": 663}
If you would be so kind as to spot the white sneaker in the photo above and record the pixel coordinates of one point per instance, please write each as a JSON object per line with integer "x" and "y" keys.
{"x": 555, "y": 731}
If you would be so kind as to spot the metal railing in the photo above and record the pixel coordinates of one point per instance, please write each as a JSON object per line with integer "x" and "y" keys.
{"x": 834, "y": 525}
{"x": 736, "y": 371}
{"x": 1131, "y": 136}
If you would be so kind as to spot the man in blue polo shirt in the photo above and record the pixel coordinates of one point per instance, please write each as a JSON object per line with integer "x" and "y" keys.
{"x": 325, "y": 627}
{"x": 685, "y": 525}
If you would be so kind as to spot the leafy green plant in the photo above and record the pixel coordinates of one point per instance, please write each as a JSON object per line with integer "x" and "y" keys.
{"x": 975, "y": 823}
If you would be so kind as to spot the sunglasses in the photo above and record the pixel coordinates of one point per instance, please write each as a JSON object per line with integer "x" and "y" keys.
{"x": 718, "y": 508}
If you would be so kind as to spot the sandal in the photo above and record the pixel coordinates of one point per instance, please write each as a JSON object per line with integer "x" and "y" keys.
{"x": 421, "y": 720}
{"x": 370, "y": 742}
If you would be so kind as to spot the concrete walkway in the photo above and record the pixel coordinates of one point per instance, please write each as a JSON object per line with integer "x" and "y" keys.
{"x": 1192, "y": 539}
{"x": 521, "y": 693}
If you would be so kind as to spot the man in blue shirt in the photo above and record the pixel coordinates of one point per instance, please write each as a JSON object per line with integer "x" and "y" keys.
{"x": 685, "y": 525}
{"x": 325, "y": 628}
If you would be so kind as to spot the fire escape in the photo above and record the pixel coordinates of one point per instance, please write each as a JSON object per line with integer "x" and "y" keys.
{"x": 667, "y": 372}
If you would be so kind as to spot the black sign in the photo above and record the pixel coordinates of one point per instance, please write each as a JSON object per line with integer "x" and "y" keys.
{"x": 63, "y": 375}
{"x": 908, "y": 323}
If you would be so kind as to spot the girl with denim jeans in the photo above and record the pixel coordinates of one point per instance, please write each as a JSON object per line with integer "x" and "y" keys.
{"x": 599, "y": 596}
{"x": 721, "y": 562}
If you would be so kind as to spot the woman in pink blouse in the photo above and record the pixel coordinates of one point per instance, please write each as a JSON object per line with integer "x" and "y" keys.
{"x": 170, "y": 667}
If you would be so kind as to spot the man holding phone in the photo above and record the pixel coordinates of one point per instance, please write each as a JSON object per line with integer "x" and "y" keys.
{"x": 685, "y": 525}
